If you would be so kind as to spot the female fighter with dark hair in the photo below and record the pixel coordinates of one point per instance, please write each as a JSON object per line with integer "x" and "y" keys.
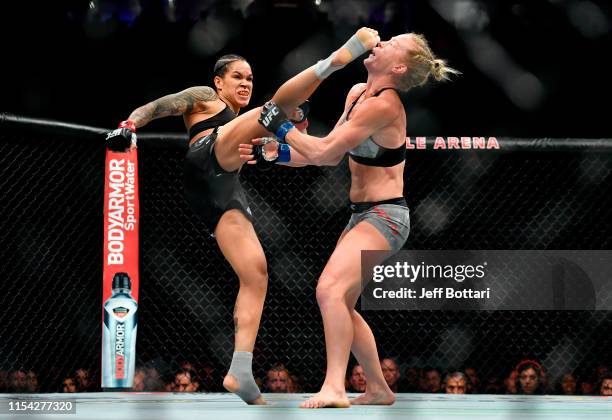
{"x": 213, "y": 188}
{"x": 222, "y": 203}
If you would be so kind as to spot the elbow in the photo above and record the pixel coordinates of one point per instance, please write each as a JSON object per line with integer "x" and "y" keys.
{"x": 323, "y": 155}
{"x": 330, "y": 161}
{"x": 317, "y": 162}
{"x": 318, "y": 158}
{"x": 336, "y": 160}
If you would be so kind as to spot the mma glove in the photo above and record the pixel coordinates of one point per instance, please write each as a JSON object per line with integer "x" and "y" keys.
{"x": 266, "y": 158}
{"x": 273, "y": 119}
{"x": 122, "y": 138}
{"x": 300, "y": 116}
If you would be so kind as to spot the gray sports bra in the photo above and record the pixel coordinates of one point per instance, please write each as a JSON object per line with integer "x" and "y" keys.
{"x": 371, "y": 153}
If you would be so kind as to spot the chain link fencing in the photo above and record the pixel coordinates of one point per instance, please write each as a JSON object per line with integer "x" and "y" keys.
{"x": 528, "y": 195}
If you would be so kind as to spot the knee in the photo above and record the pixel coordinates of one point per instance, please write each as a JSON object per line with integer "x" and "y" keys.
{"x": 328, "y": 293}
{"x": 255, "y": 275}
{"x": 259, "y": 268}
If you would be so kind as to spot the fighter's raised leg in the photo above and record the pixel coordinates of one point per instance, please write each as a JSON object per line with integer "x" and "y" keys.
{"x": 291, "y": 94}
{"x": 300, "y": 87}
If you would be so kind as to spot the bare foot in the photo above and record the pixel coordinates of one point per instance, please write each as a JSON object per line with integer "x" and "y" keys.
{"x": 324, "y": 399}
{"x": 231, "y": 384}
{"x": 374, "y": 398}
{"x": 368, "y": 39}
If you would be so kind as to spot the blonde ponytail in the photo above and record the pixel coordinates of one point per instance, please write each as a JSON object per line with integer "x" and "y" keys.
{"x": 422, "y": 64}
{"x": 440, "y": 71}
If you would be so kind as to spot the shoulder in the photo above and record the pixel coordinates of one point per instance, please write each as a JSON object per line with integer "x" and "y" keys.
{"x": 200, "y": 93}
{"x": 357, "y": 89}
{"x": 199, "y": 99}
{"x": 382, "y": 108}
{"x": 354, "y": 93}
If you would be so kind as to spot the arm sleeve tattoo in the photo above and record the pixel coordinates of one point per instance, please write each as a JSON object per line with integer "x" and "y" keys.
{"x": 174, "y": 104}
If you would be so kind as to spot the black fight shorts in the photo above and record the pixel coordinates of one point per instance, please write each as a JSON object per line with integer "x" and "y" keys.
{"x": 209, "y": 189}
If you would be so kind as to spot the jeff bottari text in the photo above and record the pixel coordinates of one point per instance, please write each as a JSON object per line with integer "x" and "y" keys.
{"x": 413, "y": 272}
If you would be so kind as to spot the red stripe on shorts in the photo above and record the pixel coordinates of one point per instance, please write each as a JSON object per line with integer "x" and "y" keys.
{"x": 385, "y": 216}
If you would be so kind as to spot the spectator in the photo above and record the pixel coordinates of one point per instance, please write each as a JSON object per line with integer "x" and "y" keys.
{"x": 432, "y": 380}
{"x": 530, "y": 378}
{"x": 510, "y": 383}
{"x": 491, "y": 386}
{"x": 208, "y": 376}
{"x": 410, "y": 382}
{"x": 69, "y": 385}
{"x": 456, "y": 383}
{"x": 83, "y": 380}
{"x": 184, "y": 381}
{"x": 278, "y": 379}
{"x": 586, "y": 388}
{"x": 605, "y": 385}
{"x": 357, "y": 380}
{"x": 17, "y": 381}
{"x": 32, "y": 382}
{"x": 567, "y": 385}
{"x": 601, "y": 371}
{"x": 297, "y": 384}
{"x": 196, "y": 382}
{"x": 391, "y": 373}
{"x": 474, "y": 381}
{"x": 139, "y": 380}
{"x": 153, "y": 381}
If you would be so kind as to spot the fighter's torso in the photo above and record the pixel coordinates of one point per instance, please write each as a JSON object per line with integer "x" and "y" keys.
{"x": 205, "y": 117}
{"x": 377, "y": 163}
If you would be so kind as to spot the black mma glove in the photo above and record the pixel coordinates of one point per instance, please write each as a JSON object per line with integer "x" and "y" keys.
{"x": 273, "y": 119}
{"x": 282, "y": 154}
{"x": 300, "y": 117}
{"x": 122, "y": 138}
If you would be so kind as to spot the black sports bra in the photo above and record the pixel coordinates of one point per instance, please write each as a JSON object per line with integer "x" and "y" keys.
{"x": 220, "y": 118}
{"x": 370, "y": 153}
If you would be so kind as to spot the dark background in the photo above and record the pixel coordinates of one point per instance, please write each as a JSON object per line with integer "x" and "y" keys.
{"x": 530, "y": 68}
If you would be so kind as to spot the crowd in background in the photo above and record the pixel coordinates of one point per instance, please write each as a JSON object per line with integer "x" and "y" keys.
{"x": 529, "y": 377}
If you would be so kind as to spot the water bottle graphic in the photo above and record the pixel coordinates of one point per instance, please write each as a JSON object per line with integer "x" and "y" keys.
{"x": 119, "y": 335}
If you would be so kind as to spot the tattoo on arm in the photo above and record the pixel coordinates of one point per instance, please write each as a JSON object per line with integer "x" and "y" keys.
{"x": 171, "y": 105}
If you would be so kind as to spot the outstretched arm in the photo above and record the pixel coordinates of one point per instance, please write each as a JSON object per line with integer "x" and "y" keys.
{"x": 172, "y": 105}
{"x": 369, "y": 118}
{"x": 176, "y": 104}
{"x": 247, "y": 154}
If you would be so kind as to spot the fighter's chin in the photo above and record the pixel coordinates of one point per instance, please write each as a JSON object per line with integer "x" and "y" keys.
{"x": 242, "y": 101}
